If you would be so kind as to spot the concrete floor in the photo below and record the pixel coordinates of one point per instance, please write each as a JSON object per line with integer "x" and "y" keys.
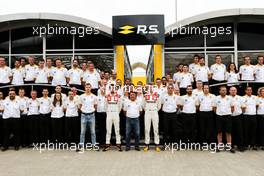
{"x": 113, "y": 163}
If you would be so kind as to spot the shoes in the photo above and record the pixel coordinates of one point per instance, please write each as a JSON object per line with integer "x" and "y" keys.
{"x": 232, "y": 150}
{"x": 119, "y": 147}
{"x": 137, "y": 148}
{"x": 146, "y": 148}
{"x": 106, "y": 148}
{"x": 127, "y": 149}
{"x": 4, "y": 149}
{"x": 157, "y": 148}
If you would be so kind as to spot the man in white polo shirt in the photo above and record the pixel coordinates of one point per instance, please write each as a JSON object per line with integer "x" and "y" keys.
{"x": 132, "y": 111}
{"x": 5, "y": 73}
{"x": 188, "y": 104}
{"x": 259, "y": 72}
{"x": 88, "y": 103}
{"x": 218, "y": 71}
{"x": 185, "y": 79}
{"x": 247, "y": 71}
{"x": 202, "y": 72}
{"x": 30, "y": 70}
{"x": 223, "y": 106}
{"x": 93, "y": 77}
{"x": 59, "y": 74}
{"x": 11, "y": 109}
{"x": 74, "y": 75}
{"x": 41, "y": 75}
{"x": 18, "y": 74}
{"x": 250, "y": 119}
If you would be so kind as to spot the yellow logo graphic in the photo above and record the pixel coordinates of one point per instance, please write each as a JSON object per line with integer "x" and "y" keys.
{"x": 126, "y": 29}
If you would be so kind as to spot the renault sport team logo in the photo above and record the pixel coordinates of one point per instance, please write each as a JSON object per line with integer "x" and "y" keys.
{"x": 140, "y": 29}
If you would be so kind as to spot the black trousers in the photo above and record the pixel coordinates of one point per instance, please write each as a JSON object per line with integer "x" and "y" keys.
{"x": 25, "y": 130}
{"x": 237, "y": 130}
{"x": 189, "y": 127}
{"x": 206, "y": 126}
{"x": 101, "y": 127}
{"x": 44, "y": 127}
{"x": 34, "y": 122}
{"x": 260, "y": 130}
{"x": 72, "y": 129}
{"x": 168, "y": 128}
{"x": 250, "y": 129}
{"x": 57, "y": 125}
{"x": 11, "y": 126}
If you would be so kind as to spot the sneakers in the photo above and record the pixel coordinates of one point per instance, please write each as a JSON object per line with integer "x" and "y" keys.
{"x": 137, "y": 148}
{"x": 107, "y": 147}
{"x": 157, "y": 148}
{"x": 146, "y": 148}
{"x": 119, "y": 147}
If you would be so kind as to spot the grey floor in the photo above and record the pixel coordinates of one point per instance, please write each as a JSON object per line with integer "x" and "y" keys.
{"x": 113, "y": 163}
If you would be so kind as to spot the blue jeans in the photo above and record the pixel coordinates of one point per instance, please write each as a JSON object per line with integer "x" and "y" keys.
{"x": 87, "y": 119}
{"x": 132, "y": 124}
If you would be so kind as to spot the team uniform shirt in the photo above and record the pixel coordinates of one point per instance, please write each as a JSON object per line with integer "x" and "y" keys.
{"x": 189, "y": 103}
{"x": 101, "y": 104}
{"x": 45, "y": 105}
{"x": 247, "y": 72}
{"x": 250, "y": 103}
{"x": 88, "y": 102}
{"x": 238, "y": 104}
{"x": 30, "y": 72}
{"x": 11, "y": 108}
{"x": 192, "y": 67}
{"x": 5, "y": 73}
{"x": 169, "y": 103}
{"x": 113, "y": 103}
{"x": 260, "y": 103}
{"x": 223, "y": 105}
{"x": 259, "y": 71}
{"x": 41, "y": 75}
{"x": 218, "y": 71}
{"x": 124, "y": 100}
{"x": 59, "y": 76}
{"x": 23, "y": 104}
{"x": 160, "y": 90}
{"x": 92, "y": 78}
{"x": 50, "y": 71}
{"x": 33, "y": 107}
{"x": 152, "y": 102}
{"x": 71, "y": 108}
{"x": 17, "y": 76}
{"x": 201, "y": 73}
{"x": 57, "y": 111}
{"x": 75, "y": 74}
{"x": 133, "y": 109}
{"x": 232, "y": 77}
{"x": 197, "y": 92}
{"x": 176, "y": 76}
{"x": 206, "y": 102}
{"x": 185, "y": 79}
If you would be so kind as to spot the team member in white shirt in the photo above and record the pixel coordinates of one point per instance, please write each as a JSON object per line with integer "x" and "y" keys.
{"x": 113, "y": 107}
{"x": 250, "y": 119}
{"x": 41, "y": 75}
{"x": 88, "y": 103}
{"x": 49, "y": 67}
{"x": 224, "y": 106}
{"x": 199, "y": 89}
{"x": 237, "y": 119}
{"x": 188, "y": 104}
{"x": 34, "y": 118}
{"x": 185, "y": 79}
{"x": 218, "y": 71}
{"x": 57, "y": 120}
{"x": 171, "y": 123}
{"x": 24, "y": 121}
{"x": 5, "y": 74}
{"x": 159, "y": 88}
{"x": 74, "y": 75}
{"x": 206, "y": 115}
{"x": 259, "y": 72}
{"x": 202, "y": 72}
{"x": 101, "y": 116}
{"x": 151, "y": 105}
{"x": 58, "y": 89}
{"x": 18, "y": 74}
{"x": 132, "y": 111}
{"x": 11, "y": 109}
{"x": 195, "y": 64}
{"x": 232, "y": 75}
{"x": 30, "y": 70}
{"x": 247, "y": 72}
{"x": 59, "y": 74}
{"x": 72, "y": 119}
{"x": 45, "y": 105}
{"x": 260, "y": 119}
{"x": 177, "y": 74}
{"x": 93, "y": 77}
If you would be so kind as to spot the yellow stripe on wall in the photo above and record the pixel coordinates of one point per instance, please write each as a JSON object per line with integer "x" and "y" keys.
{"x": 158, "y": 64}
{"x": 120, "y": 61}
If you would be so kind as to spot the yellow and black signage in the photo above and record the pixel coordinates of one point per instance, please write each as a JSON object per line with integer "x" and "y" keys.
{"x": 138, "y": 30}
